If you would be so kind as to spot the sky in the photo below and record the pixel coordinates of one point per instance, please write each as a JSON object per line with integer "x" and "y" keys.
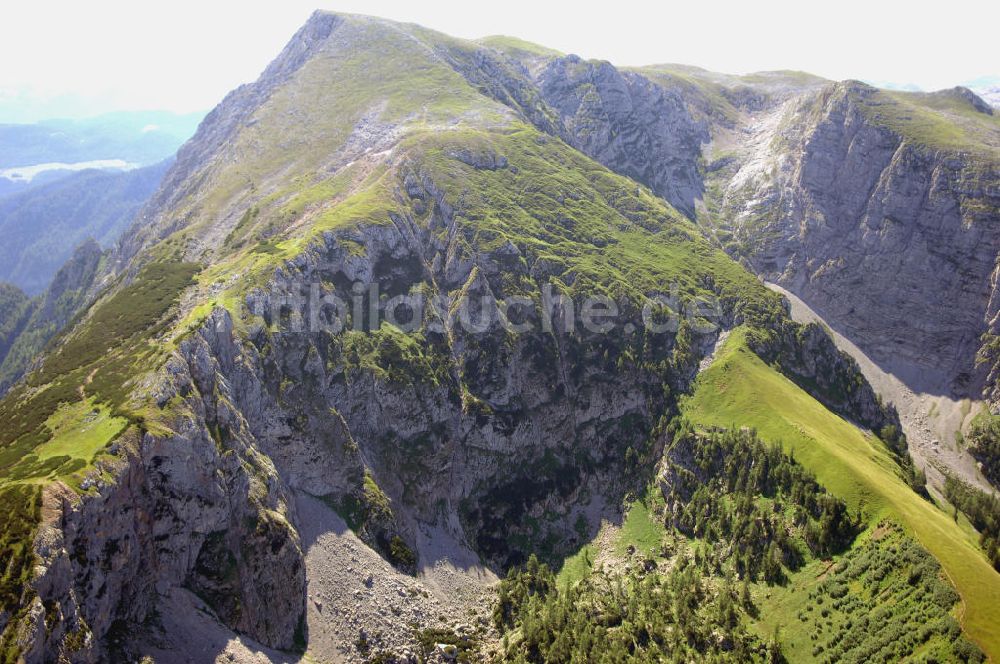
{"x": 73, "y": 58}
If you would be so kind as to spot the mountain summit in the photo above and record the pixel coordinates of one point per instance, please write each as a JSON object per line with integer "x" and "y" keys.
{"x": 412, "y": 314}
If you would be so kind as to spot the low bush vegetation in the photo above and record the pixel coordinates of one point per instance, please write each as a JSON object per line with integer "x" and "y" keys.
{"x": 885, "y": 600}
{"x": 983, "y": 511}
{"x": 674, "y": 617}
{"x": 730, "y": 486}
{"x": 984, "y": 445}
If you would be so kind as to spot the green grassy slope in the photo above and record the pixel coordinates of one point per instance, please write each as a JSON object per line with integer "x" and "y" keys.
{"x": 518, "y": 49}
{"x": 884, "y": 599}
{"x": 58, "y": 421}
{"x": 740, "y": 390}
{"x": 599, "y": 232}
{"x": 371, "y": 80}
{"x": 942, "y": 120}
{"x": 64, "y": 412}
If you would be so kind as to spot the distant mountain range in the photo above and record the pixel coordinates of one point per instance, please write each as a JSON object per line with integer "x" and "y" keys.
{"x": 42, "y": 226}
{"x": 63, "y": 181}
{"x": 42, "y": 152}
{"x": 987, "y": 87}
{"x": 68, "y": 188}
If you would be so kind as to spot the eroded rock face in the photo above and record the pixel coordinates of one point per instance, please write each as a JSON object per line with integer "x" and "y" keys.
{"x": 478, "y": 433}
{"x": 895, "y": 243}
{"x": 454, "y": 432}
{"x": 199, "y": 507}
{"x": 622, "y": 119}
{"x": 630, "y": 125}
{"x": 498, "y": 440}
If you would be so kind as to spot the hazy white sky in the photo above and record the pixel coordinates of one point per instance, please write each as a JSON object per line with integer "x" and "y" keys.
{"x": 85, "y": 57}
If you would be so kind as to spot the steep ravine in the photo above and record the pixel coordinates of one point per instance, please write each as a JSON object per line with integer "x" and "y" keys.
{"x": 438, "y": 439}
{"x": 268, "y": 424}
{"x": 882, "y": 211}
{"x": 930, "y": 421}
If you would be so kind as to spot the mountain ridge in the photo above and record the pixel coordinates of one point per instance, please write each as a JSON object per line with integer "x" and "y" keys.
{"x": 217, "y": 404}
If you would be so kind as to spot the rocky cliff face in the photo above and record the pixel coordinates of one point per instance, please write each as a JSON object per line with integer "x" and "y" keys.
{"x": 198, "y": 506}
{"x": 622, "y": 119}
{"x": 894, "y": 241}
{"x": 446, "y": 428}
{"x": 206, "y": 504}
{"x": 877, "y": 210}
{"x": 629, "y": 124}
{"x": 453, "y": 435}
